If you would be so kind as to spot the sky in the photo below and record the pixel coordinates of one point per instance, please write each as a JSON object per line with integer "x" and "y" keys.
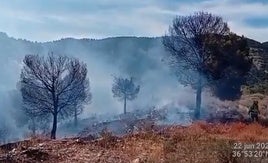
{"x": 47, "y": 20}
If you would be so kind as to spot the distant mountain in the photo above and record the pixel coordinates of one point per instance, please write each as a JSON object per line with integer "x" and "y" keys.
{"x": 140, "y": 57}
{"x": 132, "y": 55}
{"x": 126, "y": 52}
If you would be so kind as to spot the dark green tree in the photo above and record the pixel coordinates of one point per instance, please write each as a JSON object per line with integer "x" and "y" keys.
{"x": 201, "y": 50}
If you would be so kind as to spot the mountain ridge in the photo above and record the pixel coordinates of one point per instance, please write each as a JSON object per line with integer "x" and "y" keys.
{"x": 109, "y": 45}
{"x": 100, "y": 39}
{"x": 111, "y": 48}
{"x": 3, "y": 34}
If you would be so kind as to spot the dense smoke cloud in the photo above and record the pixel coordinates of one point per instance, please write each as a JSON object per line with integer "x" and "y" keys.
{"x": 140, "y": 58}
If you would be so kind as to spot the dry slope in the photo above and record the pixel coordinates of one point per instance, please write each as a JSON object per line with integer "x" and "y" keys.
{"x": 200, "y": 142}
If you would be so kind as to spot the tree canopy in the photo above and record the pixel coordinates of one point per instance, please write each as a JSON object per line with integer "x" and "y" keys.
{"x": 53, "y": 85}
{"x": 125, "y": 89}
{"x": 203, "y": 50}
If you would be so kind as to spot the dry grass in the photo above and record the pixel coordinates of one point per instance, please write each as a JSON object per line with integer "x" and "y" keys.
{"x": 200, "y": 142}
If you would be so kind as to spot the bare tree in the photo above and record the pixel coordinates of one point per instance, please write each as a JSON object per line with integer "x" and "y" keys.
{"x": 53, "y": 85}
{"x": 125, "y": 89}
{"x": 193, "y": 43}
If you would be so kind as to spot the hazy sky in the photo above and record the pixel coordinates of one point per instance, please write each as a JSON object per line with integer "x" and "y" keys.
{"x": 44, "y": 20}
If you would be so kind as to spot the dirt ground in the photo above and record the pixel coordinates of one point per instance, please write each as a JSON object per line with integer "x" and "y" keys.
{"x": 201, "y": 142}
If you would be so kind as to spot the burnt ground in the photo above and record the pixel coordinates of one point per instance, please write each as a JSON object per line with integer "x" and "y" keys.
{"x": 200, "y": 142}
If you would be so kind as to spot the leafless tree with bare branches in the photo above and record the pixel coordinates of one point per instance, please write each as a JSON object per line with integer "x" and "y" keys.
{"x": 53, "y": 85}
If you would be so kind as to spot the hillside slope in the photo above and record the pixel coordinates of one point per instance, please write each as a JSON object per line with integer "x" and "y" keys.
{"x": 200, "y": 142}
{"x": 139, "y": 57}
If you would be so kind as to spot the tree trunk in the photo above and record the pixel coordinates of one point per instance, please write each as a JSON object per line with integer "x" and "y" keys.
{"x": 55, "y": 112}
{"x": 75, "y": 117}
{"x": 198, "y": 98}
{"x": 34, "y": 126}
{"x": 54, "y": 126}
{"x": 125, "y": 105}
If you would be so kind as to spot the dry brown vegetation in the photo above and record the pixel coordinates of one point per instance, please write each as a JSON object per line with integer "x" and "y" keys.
{"x": 200, "y": 142}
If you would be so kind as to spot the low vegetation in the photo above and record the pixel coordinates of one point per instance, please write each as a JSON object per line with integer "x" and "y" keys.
{"x": 200, "y": 142}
